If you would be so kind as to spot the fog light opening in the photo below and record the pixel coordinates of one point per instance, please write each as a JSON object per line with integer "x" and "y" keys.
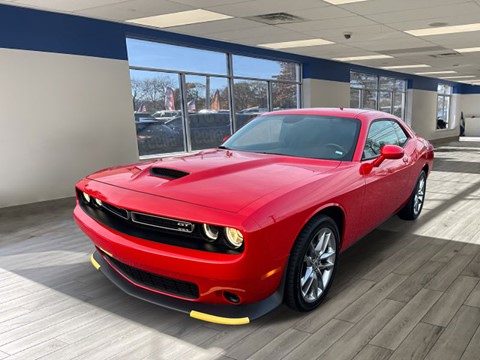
{"x": 231, "y": 297}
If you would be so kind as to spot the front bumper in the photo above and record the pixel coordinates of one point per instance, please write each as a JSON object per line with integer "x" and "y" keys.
{"x": 217, "y": 313}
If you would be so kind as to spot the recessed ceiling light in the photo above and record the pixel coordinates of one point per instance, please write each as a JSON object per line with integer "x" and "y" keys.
{"x": 296, "y": 44}
{"x": 468, "y": 50}
{"x": 340, "y": 2}
{"x": 366, "y": 57}
{"x": 436, "y": 72}
{"x": 458, "y": 77}
{"x": 445, "y": 30}
{"x": 180, "y": 18}
{"x": 405, "y": 66}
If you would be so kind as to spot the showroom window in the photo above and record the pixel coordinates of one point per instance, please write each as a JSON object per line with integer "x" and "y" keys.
{"x": 444, "y": 102}
{"x": 369, "y": 91}
{"x": 187, "y": 99}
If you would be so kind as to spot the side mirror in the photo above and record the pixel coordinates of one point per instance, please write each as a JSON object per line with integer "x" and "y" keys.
{"x": 390, "y": 152}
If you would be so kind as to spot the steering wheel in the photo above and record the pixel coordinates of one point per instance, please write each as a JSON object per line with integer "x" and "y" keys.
{"x": 337, "y": 149}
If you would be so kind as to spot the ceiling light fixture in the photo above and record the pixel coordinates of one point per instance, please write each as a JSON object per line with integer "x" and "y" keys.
{"x": 296, "y": 44}
{"x": 366, "y": 57}
{"x": 180, "y": 18}
{"x": 445, "y": 30}
{"x": 341, "y": 2}
{"x": 436, "y": 72}
{"x": 468, "y": 50}
{"x": 405, "y": 67}
{"x": 458, "y": 77}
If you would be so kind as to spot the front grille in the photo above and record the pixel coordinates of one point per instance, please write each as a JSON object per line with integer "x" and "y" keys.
{"x": 115, "y": 210}
{"x": 161, "y": 222}
{"x": 155, "y": 228}
{"x": 156, "y": 282}
{"x": 151, "y": 220}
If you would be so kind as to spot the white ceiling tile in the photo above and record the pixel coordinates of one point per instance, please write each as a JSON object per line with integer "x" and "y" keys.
{"x": 456, "y": 41}
{"x": 203, "y": 4}
{"x": 134, "y": 9}
{"x": 360, "y": 33}
{"x": 67, "y": 6}
{"x": 321, "y": 13}
{"x": 259, "y": 35}
{"x": 385, "y": 6}
{"x": 327, "y": 52}
{"x": 434, "y": 14}
{"x": 393, "y": 43}
{"x": 313, "y": 27}
{"x": 376, "y": 25}
{"x": 229, "y": 25}
{"x": 260, "y": 7}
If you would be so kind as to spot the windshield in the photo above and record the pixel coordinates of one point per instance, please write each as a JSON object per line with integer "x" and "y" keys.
{"x": 310, "y": 136}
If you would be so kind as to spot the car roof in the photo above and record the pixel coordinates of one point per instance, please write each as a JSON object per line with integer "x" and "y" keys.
{"x": 340, "y": 112}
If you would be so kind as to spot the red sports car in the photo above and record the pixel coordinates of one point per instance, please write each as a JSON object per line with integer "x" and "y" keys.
{"x": 228, "y": 234}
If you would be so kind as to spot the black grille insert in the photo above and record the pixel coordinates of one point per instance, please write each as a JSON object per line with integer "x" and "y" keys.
{"x": 115, "y": 210}
{"x": 153, "y": 281}
{"x": 161, "y": 222}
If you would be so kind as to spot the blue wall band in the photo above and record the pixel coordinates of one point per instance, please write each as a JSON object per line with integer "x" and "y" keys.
{"x": 37, "y": 30}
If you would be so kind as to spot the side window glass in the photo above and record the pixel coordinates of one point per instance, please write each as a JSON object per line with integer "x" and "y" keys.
{"x": 402, "y": 136}
{"x": 381, "y": 133}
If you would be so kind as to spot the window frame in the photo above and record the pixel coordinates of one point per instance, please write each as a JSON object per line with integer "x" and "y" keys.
{"x": 442, "y": 96}
{"x": 378, "y": 90}
{"x": 231, "y": 78}
{"x": 393, "y": 121}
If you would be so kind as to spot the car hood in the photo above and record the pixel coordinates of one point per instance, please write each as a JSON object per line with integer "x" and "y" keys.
{"x": 221, "y": 179}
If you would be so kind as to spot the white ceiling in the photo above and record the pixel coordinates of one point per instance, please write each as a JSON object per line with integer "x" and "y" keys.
{"x": 377, "y": 26}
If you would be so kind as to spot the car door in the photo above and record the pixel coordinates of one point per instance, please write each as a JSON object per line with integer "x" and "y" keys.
{"x": 384, "y": 185}
{"x": 410, "y": 158}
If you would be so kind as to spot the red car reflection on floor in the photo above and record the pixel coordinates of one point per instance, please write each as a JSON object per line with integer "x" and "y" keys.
{"x": 228, "y": 234}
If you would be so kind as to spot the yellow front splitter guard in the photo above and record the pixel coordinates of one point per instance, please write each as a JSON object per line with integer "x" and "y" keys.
{"x": 94, "y": 262}
{"x": 218, "y": 319}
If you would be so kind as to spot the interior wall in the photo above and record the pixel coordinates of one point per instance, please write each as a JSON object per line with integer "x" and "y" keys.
{"x": 471, "y": 105}
{"x": 325, "y": 93}
{"x": 63, "y": 117}
{"x": 422, "y": 113}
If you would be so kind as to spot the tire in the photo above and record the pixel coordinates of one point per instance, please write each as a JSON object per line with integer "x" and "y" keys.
{"x": 414, "y": 206}
{"x": 314, "y": 256}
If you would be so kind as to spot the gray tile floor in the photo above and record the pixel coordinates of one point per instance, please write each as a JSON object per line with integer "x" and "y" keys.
{"x": 409, "y": 290}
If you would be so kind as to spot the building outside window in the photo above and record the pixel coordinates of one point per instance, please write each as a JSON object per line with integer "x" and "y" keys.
{"x": 444, "y": 102}
{"x": 382, "y": 93}
{"x": 187, "y": 99}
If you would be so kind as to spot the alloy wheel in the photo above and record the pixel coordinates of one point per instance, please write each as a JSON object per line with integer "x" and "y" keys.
{"x": 318, "y": 265}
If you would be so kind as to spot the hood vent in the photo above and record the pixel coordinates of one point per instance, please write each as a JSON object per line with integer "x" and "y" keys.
{"x": 165, "y": 173}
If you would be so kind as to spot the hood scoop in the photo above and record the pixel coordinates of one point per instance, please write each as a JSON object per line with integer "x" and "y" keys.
{"x": 170, "y": 174}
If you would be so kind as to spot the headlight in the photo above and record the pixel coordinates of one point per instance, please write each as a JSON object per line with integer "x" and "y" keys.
{"x": 234, "y": 237}
{"x": 211, "y": 232}
{"x": 86, "y": 197}
{"x": 98, "y": 202}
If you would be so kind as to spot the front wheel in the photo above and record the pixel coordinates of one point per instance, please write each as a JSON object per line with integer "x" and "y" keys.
{"x": 312, "y": 264}
{"x": 415, "y": 204}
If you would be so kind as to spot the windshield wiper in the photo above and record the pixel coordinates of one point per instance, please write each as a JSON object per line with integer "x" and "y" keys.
{"x": 224, "y": 147}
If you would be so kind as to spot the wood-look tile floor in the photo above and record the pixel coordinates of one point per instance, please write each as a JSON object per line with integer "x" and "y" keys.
{"x": 409, "y": 290}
